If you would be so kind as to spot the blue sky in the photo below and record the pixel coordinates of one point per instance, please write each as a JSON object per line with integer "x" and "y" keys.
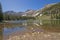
{"x": 23, "y": 5}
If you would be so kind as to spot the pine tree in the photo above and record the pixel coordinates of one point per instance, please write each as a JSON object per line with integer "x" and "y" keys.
{"x": 1, "y": 14}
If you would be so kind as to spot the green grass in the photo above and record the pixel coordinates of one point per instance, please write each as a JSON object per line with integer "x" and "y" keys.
{"x": 44, "y": 17}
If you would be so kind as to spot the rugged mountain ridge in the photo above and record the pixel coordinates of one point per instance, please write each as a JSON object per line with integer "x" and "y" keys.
{"x": 52, "y": 10}
{"x": 50, "y": 7}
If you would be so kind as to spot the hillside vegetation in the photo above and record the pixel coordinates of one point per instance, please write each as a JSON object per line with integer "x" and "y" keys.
{"x": 50, "y": 11}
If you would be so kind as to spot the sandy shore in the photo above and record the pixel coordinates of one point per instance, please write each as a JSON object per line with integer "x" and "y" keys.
{"x": 36, "y": 35}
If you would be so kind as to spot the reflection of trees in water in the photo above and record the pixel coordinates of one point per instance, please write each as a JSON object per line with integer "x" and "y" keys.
{"x": 57, "y": 21}
{"x": 51, "y": 28}
{"x": 52, "y": 22}
{"x": 50, "y": 25}
{"x": 36, "y": 24}
{"x": 33, "y": 22}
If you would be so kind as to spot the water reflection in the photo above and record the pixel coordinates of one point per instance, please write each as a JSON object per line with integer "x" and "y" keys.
{"x": 32, "y": 30}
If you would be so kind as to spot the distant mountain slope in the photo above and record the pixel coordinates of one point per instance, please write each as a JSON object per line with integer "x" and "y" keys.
{"x": 53, "y": 9}
{"x": 26, "y": 13}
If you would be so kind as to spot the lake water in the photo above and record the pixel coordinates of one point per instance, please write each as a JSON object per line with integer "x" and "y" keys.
{"x": 30, "y": 30}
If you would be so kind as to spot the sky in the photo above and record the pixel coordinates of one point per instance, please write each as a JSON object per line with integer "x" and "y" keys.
{"x": 23, "y": 5}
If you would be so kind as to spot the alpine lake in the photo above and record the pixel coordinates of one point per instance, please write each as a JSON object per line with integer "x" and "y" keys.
{"x": 30, "y": 30}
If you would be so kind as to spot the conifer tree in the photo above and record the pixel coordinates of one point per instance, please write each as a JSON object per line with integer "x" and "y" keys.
{"x": 1, "y": 14}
